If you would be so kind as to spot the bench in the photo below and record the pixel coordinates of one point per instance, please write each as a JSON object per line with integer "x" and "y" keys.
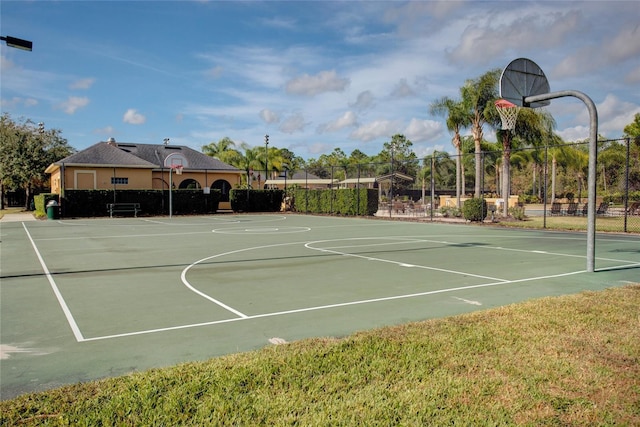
{"x": 556, "y": 209}
{"x": 123, "y": 208}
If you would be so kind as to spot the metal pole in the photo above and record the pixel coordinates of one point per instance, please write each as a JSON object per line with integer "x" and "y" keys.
{"x": 593, "y": 157}
{"x": 266, "y": 159}
{"x": 544, "y": 192}
{"x": 433, "y": 184}
{"x": 626, "y": 186}
{"x": 391, "y": 183}
{"x": 170, "y": 192}
{"x": 358, "y": 194}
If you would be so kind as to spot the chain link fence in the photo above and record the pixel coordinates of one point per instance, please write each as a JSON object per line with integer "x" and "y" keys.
{"x": 547, "y": 184}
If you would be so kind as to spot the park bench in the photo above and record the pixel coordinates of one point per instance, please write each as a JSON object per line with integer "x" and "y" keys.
{"x": 585, "y": 209}
{"x": 556, "y": 209}
{"x": 603, "y": 208}
{"x": 123, "y": 208}
{"x": 572, "y": 209}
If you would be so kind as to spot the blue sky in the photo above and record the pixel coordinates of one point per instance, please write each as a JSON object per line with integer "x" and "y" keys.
{"x": 314, "y": 75}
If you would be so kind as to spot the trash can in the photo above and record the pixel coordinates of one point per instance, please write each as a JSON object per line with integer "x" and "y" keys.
{"x": 52, "y": 209}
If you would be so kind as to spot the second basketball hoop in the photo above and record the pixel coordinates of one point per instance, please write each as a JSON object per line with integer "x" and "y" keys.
{"x": 508, "y": 113}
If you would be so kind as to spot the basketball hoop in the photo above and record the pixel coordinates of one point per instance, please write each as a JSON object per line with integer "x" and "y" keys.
{"x": 508, "y": 113}
{"x": 177, "y": 169}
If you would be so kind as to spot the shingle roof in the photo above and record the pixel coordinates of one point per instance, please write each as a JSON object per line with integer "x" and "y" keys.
{"x": 142, "y": 156}
{"x": 105, "y": 155}
{"x": 156, "y": 153}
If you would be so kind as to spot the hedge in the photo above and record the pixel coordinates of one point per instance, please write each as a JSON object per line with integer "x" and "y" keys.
{"x": 93, "y": 203}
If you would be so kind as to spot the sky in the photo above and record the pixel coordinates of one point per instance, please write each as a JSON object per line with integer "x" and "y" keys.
{"x": 313, "y": 75}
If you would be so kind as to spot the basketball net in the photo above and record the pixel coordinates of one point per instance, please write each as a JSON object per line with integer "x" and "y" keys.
{"x": 177, "y": 169}
{"x": 508, "y": 113}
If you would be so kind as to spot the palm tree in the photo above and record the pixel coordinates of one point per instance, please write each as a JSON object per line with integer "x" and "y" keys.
{"x": 577, "y": 158}
{"x": 478, "y": 96}
{"x": 221, "y": 150}
{"x": 457, "y": 119}
{"x": 248, "y": 161}
{"x": 531, "y": 127}
{"x": 558, "y": 156}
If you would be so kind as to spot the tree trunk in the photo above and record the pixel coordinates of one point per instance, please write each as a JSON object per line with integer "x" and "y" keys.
{"x": 554, "y": 164}
{"x": 458, "y": 176}
{"x": 476, "y": 131}
{"x": 478, "y": 188}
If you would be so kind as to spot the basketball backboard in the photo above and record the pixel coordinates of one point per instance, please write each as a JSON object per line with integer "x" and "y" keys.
{"x": 175, "y": 160}
{"x": 523, "y": 78}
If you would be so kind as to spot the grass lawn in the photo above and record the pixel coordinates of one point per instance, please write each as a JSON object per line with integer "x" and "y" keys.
{"x": 571, "y": 360}
{"x": 578, "y": 223}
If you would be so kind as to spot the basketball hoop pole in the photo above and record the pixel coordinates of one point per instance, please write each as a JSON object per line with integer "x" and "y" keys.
{"x": 170, "y": 192}
{"x": 593, "y": 153}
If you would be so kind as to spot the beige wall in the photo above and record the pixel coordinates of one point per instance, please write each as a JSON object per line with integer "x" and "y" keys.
{"x": 92, "y": 178}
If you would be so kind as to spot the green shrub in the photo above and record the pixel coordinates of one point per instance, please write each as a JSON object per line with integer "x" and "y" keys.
{"x": 450, "y": 211}
{"x": 474, "y": 209}
{"x": 517, "y": 212}
{"x": 344, "y": 201}
{"x": 256, "y": 200}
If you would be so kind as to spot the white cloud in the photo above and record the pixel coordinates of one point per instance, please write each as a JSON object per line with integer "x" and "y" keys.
{"x": 609, "y": 52}
{"x": 293, "y": 123}
{"x": 576, "y": 133}
{"x": 402, "y": 89}
{"x": 376, "y": 129}
{"x": 82, "y": 83}
{"x": 423, "y": 130}
{"x": 279, "y": 23}
{"x": 613, "y": 115}
{"x": 486, "y": 37}
{"x": 17, "y": 101}
{"x": 324, "y": 81}
{"x": 633, "y": 77}
{"x": 72, "y": 104}
{"x": 319, "y": 148}
{"x": 365, "y": 100}
{"x": 347, "y": 119}
{"x": 108, "y": 131}
{"x": 214, "y": 72}
{"x": 133, "y": 117}
{"x": 269, "y": 116}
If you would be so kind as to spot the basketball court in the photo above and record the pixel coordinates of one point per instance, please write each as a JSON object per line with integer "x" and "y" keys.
{"x": 92, "y": 298}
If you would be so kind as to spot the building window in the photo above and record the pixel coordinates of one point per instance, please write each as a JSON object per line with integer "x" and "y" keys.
{"x": 117, "y": 181}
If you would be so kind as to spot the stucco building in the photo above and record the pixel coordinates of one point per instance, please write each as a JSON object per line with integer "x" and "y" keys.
{"x": 123, "y": 166}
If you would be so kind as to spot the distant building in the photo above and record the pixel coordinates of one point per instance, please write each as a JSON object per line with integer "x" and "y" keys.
{"x": 114, "y": 165}
{"x": 300, "y": 179}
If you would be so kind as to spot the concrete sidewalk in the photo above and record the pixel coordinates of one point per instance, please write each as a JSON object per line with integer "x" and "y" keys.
{"x": 18, "y": 217}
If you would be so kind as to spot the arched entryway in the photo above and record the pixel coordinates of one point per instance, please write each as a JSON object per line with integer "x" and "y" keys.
{"x": 224, "y": 187}
{"x": 190, "y": 184}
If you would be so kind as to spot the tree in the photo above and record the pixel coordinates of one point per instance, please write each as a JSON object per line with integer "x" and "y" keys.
{"x": 457, "y": 119}
{"x": 577, "y": 157}
{"x": 398, "y": 157}
{"x": 25, "y": 152}
{"x": 222, "y": 150}
{"x": 478, "y": 96}
{"x": 247, "y": 161}
{"x": 531, "y": 127}
{"x": 632, "y": 130}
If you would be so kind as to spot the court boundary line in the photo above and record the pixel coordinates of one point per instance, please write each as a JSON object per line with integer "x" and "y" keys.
{"x": 80, "y": 338}
{"x": 329, "y": 306}
{"x": 63, "y": 304}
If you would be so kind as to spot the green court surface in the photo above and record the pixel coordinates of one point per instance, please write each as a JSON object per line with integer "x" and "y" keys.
{"x": 91, "y": 298}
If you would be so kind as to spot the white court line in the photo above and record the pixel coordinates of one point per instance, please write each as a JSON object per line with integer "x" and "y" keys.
{"x": 400, "y": 263}
{"x": 56, "y": 291}
{"x": 329, "y": 306}
{"x": 242, "y": 316}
